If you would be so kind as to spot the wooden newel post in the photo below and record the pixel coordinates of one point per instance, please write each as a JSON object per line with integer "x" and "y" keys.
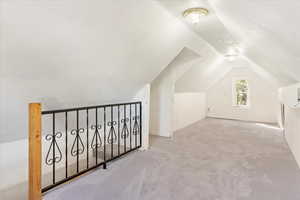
{"x": 35, "y": 149}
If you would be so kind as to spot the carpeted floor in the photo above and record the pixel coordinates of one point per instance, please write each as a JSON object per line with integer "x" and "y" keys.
{"x": 210, "y": 160}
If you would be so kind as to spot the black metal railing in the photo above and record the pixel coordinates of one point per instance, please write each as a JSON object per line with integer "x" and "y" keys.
{"x": 78, "y": 140}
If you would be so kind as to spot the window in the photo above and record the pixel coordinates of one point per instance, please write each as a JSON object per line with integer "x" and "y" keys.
{"x": 240, "y": 93}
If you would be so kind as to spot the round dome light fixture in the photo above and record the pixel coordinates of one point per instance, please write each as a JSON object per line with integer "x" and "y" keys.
{"x": 233, "y": 53}
{"x": 230, "y": 57}
{"x": 193, "y": 15}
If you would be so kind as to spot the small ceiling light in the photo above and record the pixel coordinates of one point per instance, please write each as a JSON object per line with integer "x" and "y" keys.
{"x": 231, "y": 57}
{"x": 233, "y": 53}
{"x": 193, "y": 15}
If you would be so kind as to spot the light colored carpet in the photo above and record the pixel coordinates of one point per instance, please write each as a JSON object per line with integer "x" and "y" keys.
{"x": 210, "y": 160}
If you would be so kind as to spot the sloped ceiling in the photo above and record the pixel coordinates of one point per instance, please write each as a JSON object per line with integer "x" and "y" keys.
{"x": 69, "y": 53}
{"x": 201, "y": 79}
{"x": 266, "y": 31}
{"x": 186, "y": 55}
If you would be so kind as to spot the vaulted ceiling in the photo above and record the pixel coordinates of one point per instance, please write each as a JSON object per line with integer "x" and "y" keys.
{"x": 76, "y": 53}
{"x": 70, "y": 53}
{"x": 265, "y": 31}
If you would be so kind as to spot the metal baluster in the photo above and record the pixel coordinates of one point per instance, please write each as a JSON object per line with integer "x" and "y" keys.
{"x": 112, "y": 136}
{"x": 53, "y": 150}
{"x": 124, "y": 129}
{"x": 135, "y": 110}
{"x": 77, "y": 141}
{"x": 130, "y": 131}
{"x": 104, "y": 165}
{"x": 140, "y": 124}
{"x": 118, "y": 130}
{"x": 96, "y": 136}
{"x": 87, "y": 138}
{"x": 66, "y": 126}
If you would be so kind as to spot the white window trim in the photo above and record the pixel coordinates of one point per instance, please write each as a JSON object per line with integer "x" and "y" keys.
{"x": 234, "y": 102}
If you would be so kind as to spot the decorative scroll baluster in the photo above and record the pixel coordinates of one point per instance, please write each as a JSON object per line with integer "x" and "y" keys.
{"x": 125, "y": 130}
{"x": 78, "y": 146}
{"x": 112, "y": 131}
{"x": 96, "y": 138}
{"x": 124, "y": 126}
{"x": 51, "y": 159}
{"x": 98, "y": 144}
{"x": 136, "y": 126}
{"x": 77, "y": 150}
{"x": 130, "y": 127}
{"x": 112, "y": 136}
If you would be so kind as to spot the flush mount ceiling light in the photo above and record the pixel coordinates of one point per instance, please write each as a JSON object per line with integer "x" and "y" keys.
{"x": 231, "y": 57}
{"x": 233, "y": 53}
{"x": 193, "y": 15}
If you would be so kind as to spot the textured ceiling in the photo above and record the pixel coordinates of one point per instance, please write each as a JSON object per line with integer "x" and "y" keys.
{"x": 266, "y": 31}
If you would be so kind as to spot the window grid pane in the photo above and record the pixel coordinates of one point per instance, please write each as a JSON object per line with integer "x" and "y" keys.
{"x": 241, "y": 87}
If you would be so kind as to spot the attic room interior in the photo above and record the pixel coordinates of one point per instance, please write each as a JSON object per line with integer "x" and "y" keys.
{"x": 149, "y": 100}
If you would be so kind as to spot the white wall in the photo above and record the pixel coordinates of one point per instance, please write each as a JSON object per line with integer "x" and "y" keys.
{"x": 162, "y": 93}
{"x": 292, "y": 134}
{"x": 143, "y": 95}
{"x": 200, "y": 77}
{"x": 188, "y": 108}
{"x": 289, "y": 95}
{"x": 264, "y": 103}
{"x": 292, "y": 119}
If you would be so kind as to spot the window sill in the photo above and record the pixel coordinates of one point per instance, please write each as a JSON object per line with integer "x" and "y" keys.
{"x": 241, "y": 107}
